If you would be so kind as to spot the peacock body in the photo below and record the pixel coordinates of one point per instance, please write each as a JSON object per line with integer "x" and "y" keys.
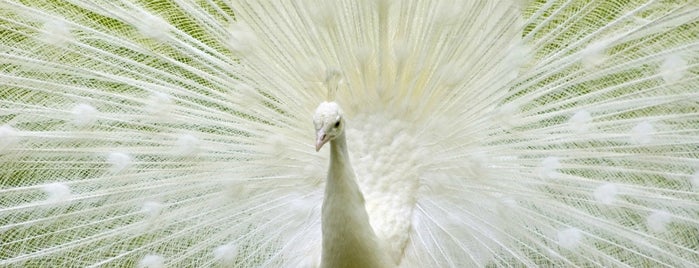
{"x": 480, "y": 133}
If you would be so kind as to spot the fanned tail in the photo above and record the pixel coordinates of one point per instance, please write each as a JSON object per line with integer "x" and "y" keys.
{"x": 179, "y": 133}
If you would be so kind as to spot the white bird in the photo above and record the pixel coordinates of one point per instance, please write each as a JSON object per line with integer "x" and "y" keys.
{"x": 480, "y": 133}
{"x": 348, "y": 238}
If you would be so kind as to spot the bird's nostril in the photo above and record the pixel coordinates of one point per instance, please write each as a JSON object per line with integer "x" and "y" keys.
{"x": 322, "y": 137}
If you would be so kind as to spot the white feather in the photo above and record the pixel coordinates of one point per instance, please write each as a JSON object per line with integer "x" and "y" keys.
{"x": 482, "y": 133}
{"x": 9, "y": 136}
{"x": 606, "y": 193}
{"x": 569, "y": 238}
{"x": 151, "y": 261}
{"x": 84, "y": 115}
{"x": 57, "y": 192}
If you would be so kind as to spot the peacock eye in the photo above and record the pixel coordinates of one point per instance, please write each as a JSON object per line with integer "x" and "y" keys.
{"x": 337, "y": 124}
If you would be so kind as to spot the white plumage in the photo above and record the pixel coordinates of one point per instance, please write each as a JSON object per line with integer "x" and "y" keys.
{"x": 348, "y": 238}
{"x": 481, "y": 133}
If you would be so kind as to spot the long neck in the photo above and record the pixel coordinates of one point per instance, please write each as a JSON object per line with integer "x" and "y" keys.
{"x": 348, "y": 239}
{"x": 340, "y": 166}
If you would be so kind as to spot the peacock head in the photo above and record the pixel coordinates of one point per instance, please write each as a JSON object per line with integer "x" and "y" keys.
{"x": 328, "y": 123}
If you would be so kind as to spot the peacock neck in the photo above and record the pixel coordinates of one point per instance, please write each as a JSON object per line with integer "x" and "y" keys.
{"x": 339, "y": 157}
{"x": 348, "y": 238}
{"x": 341, "y": 183}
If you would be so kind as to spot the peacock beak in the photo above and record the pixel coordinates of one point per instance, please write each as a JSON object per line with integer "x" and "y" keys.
{"x": 321, "y": 139}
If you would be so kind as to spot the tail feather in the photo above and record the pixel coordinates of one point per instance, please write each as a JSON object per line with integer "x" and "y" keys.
{"x": 179, "y": 133}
